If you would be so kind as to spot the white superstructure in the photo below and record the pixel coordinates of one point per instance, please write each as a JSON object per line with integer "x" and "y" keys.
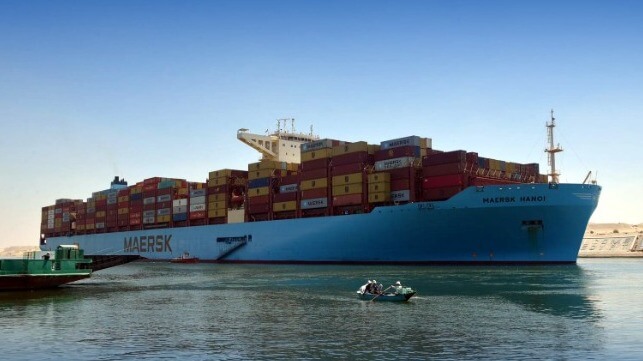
{"x": 281, "y": 145}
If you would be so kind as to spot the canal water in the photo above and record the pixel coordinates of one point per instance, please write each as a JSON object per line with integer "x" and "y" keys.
{"x": 148, "y": 310}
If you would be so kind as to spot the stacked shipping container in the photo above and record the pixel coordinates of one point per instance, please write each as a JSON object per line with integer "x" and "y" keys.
{"x": 334, "y": 178}
{"x": 226, "y": 188}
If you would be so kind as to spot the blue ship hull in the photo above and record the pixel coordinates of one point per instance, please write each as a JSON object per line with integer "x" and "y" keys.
{"x": 527, "y": 223}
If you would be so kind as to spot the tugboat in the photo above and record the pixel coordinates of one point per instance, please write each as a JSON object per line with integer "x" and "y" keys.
{"x": 38, "y": 269}
{"x": 185, "y": 258}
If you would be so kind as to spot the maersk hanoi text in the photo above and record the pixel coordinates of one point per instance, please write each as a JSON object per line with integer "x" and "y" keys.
{"x": 145, "y": 244}
{"x": 513, "y": 199}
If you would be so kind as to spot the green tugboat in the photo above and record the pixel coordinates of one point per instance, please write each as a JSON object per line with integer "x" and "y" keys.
{"x": 38, "y": 269}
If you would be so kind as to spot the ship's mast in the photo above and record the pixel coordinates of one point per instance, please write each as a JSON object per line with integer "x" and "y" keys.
{"x": 553, "y": 174}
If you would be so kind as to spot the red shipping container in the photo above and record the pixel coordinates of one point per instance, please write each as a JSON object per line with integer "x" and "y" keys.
{"x": 123, "y": 192}
{"x": 456, "y": 156}
{"x": 347, "y": 169}
{"x": 398, "y": 152}
{"x": 149, "y": 207}
{"x": 352, "y": 158}
{"x": 197, "y": 215}
{"x": 259, "y": 200}
{"x": 444, "y": 181}
{"x": 402, "y": 173}
{"x": 347, "y": 200}
{"x": 258, "y": 208}
{"x": 443, "y": 169}
{"x": 134, "y": 221}
{"x": 149, "y": 187}
{"x": 290, "y": 179}
{"x": 436, "y": 194}
{"x": 314, "y": 193}
{"x": 164, "y": 191}
{"x": 472, "y": 157}
{"x": 400, "y": 184}
{"x": 284, "y": 197}
{"x": 314, "y": 174}
{"x": 321, "y": 163}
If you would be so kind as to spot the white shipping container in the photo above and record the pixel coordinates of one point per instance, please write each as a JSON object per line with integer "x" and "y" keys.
{"x": 66, "y": 217}
{"x": 112, "y": 200}
{"x": 149, "y": 214}
{"x": 100, "y": 225}
{"x": 197, "y": 200}
{"x": 394, "y": 163}
{"x": 401, "y": 196}
{"x": 180, "y": 202}
{"x": 179, "y": 209}
{"x": 198, "y": 207}
{"x": 197, "y": 193}
{"x": 164, "y": 198}
{"x": 149, "y": 200}
{"x": 318, "y": 144}
{"x": 288, "y": 188}
{"x": 149, "y": 220}
{"x": 51, "y": 213}
{"x": 164, "y": 211}
{"x": 314, "y": 203}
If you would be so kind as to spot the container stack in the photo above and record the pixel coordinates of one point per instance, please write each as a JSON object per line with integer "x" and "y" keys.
{"x": 314, "y": 185}
{"x": 100, "y": 200}
{"x": 136, "y": 206}
{"x": 111, "y": 210}
{"x": 285, "y": 199}
{"x": 150, "y": 187}
{"x": 48, "y": 219}
{"x": 225, "y": 190}
{"x": 446, "y": 173}
{"x": 123, "y": 208}
{"x": 80, "y": 217}
{"x": 197, "y": 205}
{"x": 350, "y": 165}
{"x": 263, "y": 183}
{"x": 401, "y": 158}
{"x": 491, "y": 171}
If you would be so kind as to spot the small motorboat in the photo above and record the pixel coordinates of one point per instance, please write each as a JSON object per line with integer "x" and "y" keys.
{"x": 399, "y": 294}
{"x": 185, "y": 258}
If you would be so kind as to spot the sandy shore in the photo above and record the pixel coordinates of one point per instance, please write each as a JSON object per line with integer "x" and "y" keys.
{"x": 17, "y": 251}
{"x": 599, "y": 229}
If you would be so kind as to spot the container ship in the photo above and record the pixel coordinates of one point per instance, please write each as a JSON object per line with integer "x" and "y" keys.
{"x": 327, "y": 201}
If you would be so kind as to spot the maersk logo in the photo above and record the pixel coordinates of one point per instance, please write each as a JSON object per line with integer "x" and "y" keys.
{"x": 529, "y": 199}
{"x": 148, "y": 244}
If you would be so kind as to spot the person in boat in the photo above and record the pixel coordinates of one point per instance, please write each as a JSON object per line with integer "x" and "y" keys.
{"x": 397, "y": 287}
{"x": 376, "y": 288}
{"x": 365, "y": 287}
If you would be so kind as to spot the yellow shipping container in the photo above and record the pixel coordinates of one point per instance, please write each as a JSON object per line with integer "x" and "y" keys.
{"x": 221, "y": 173}
{"x": 163, "y": 219}
{"x": 217, "y": 205}
{"x": 263, "y": 173}
{"x": 379, "y": 177}
{"x": 316, "y": 154}
{"x": 122, "y": 199}
{"x": 350, "y": 148}
{"x": 183, "y": 191}
{"x": 352, "y": 178}
{"x": 379, "y": 197}
{"x": 266, "y": 164}
{"x": 100, "y": 214}
{"x": 261, "y": 191}
{"x": 215, "y": 182}
{"x": 217, "y": 197}
{"x": 284, "y": 206}
{"x": 135, "y": 190}
{"x": 379, "y": 187}
{"x": 89, "y": 226}
{"x": 347, "y": 189}
{"x": 313, "y": 183}
{"x": 218, "y": 213}
{"x": 123, "y": 211}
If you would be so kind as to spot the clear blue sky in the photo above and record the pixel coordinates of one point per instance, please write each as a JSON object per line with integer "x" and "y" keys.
{"x": 94, "y": 89}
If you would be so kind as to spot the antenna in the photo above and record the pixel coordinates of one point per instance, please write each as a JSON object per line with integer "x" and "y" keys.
{"x": 553, "y": 174}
